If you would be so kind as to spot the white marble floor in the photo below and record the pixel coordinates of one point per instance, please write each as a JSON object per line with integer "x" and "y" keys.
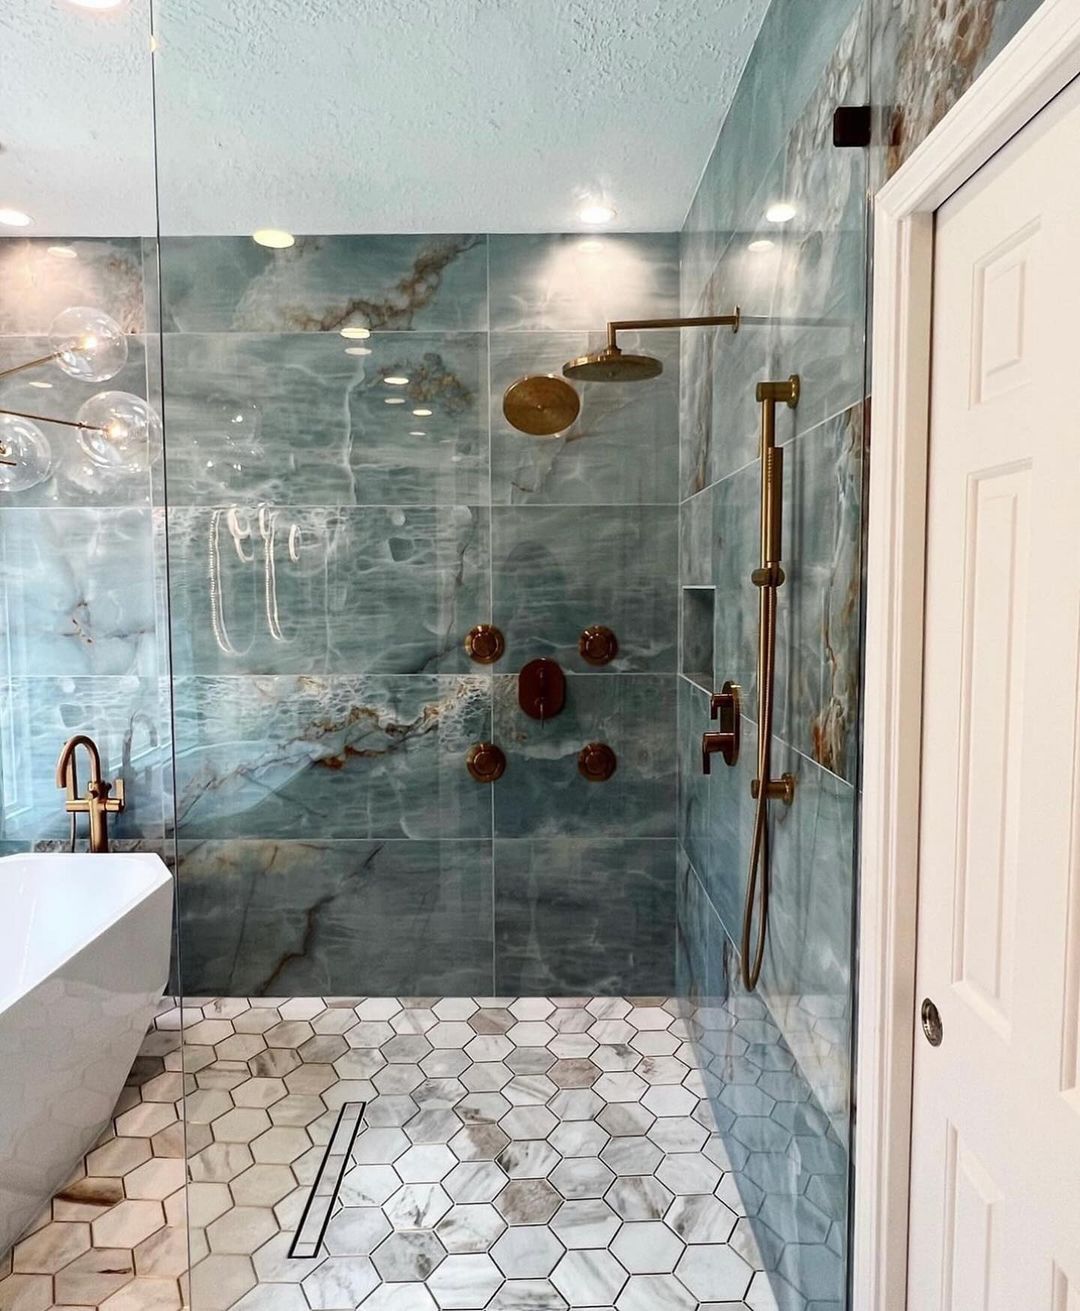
{"x": 516, "y": 1154}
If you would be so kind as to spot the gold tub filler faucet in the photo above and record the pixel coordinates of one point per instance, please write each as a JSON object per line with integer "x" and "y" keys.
{"x": 100, "y": 800}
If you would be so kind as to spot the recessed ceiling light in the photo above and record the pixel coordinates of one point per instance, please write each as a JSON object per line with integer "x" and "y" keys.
{"x": 783, "y": 211}
{"x": 421, "y": 414}
{"x": 357, "y": 350}
{"x": 762, "y": 244}
{"x": 356, "y": 333}
{"x": 396, "y": 380}
{"x": 63, "y": 252}
{"x": 394, "y": 400}
{"x": 598, "y": 213}
{"x": 44, "y": 386}
{"x": 14, "y": 218}
{"x": 275, "y": 238}
{"x": 417, "y": 432}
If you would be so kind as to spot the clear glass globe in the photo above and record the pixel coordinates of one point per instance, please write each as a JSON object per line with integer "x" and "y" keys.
{"x": 122, "y": 429}
{"x": 91, "y": 345}
{"x": 24, "y": 443}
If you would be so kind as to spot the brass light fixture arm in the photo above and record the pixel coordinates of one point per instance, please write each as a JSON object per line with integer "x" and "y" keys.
{"x": 768, "y": 578}
{"x": 45, "y": 418}
{"x": 30, "y": 364}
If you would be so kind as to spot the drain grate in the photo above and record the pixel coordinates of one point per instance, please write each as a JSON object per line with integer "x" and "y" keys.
{"x": 320, "y": 1203}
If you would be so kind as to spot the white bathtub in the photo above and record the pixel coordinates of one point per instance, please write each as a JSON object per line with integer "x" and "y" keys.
{"x": 84, "y": 958}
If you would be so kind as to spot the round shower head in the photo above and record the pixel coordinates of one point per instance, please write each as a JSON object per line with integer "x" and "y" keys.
{"x": 612, "y": 365}
{"x": 541, "y": 405}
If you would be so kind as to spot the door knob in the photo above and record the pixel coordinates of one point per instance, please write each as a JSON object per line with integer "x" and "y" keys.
{"x": 931, "y": 1023}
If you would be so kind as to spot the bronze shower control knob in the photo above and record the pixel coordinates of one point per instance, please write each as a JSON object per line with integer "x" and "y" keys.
{"x": 596, "y": 762}
{"x": 485, "y": 643}
{"x": 598, "y": 645}
{"x": 485, "y": 762}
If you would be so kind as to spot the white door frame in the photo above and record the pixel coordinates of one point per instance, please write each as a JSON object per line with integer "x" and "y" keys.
{"x": 1041, "y": 59}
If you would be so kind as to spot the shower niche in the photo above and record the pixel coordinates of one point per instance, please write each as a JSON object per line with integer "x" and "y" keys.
{"x": 698, "y": 618}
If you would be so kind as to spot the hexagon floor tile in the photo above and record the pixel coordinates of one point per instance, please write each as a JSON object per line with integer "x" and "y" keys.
{"x": 541, "y": 1152}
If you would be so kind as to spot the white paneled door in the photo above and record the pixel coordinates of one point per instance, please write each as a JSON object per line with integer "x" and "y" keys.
{"x": 995, "y": 1195}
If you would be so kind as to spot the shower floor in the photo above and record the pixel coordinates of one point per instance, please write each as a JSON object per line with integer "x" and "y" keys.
{"x": 513, "y": 1154}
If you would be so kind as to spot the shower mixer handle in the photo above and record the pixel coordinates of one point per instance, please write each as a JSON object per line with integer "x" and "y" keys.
{"x": 725, "y": 706}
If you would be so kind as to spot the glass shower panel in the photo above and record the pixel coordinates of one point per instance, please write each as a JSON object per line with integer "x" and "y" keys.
{"x": 777, "y": 1060}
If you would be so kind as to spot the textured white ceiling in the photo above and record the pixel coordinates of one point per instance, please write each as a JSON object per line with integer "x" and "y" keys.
{"x": 364, "y": 115}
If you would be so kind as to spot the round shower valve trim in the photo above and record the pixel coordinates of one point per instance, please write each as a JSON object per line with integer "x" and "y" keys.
{"x": 485, "y": 643}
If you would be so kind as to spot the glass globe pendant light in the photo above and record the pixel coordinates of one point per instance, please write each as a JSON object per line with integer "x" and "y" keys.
{"x": 87, "y": 344}
{"x": 117, "y": 429}
{"x": 25, "y": 455}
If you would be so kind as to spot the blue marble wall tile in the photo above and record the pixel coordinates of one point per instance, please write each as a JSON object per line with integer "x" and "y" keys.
{"x": 584, "y": 916}
{"x": 322, "y": 284}
{"x": 819, "y": 639}
{"x": 795, "y": 42}
{"x": 697, "y": 927}
{"x": 295, "y": 419}
{"x": 576, "y": 282}
{"x": 35, "y": 285}
{"x": 924, "y": 56}
{"x": 127, "y": 717}
{"x": 299, "y": 757}
{"x": 555, "y": 571}
{"x": 715, "y": 811}
{"x": 78, "y": 594}
{"x": 324, "y": 918}
{"x": 622, "y": 448}
{"x": 286, "y": 589}
{"x": 74, "y": 479}
{"x": 542, "y": 794}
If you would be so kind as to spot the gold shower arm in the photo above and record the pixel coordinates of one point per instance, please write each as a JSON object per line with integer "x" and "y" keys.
{"x": 616, "y": 326}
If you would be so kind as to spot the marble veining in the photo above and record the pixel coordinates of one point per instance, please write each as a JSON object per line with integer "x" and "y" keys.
{"x": 306, "y": 756}
{"x": 322, "y": 284}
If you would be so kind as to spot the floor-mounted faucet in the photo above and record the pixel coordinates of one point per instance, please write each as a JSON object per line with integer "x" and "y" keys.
{"x": 97, "y": 803}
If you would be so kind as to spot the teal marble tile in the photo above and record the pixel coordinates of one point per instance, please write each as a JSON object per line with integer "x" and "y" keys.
{"x": 328, "y": 757}
{"x": 35, "y": 286}
{"x": 78, "y": 592}
{"x": 324, "y": 283}
{"x": 584, "y": 916}
{"x": 542, "y": 794}
{"x": 126, "y": 715}
{"x": 325, "y": 918}
{"x": 623, "y": 447}
{"x": 924, "y": 56}
{"x": 287, "y": 590}
{"x": 795, "y": 43}
{"x": 555, "y": 571}
{"x": 819, "y": 639}
{"x": 295, "y": 419}
{"x": 715, "y": 811}
{"x": 577, "y": 282}
{"x": 74, "y": 479}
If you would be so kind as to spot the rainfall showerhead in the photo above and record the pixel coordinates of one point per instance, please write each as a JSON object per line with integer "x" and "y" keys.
{"x": 612, "y": 365}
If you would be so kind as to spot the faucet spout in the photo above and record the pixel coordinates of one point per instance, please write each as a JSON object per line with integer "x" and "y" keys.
{"x": 97, "y": 804}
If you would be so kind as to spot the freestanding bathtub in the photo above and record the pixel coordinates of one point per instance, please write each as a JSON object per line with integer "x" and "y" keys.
{"x": 84, "y": 958}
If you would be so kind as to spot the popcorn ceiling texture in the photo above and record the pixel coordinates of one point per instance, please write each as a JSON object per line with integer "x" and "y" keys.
{"x": 323, "y": 117}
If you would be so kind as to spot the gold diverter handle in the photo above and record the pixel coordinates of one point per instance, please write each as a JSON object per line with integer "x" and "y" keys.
{"x": 768, "y": 578}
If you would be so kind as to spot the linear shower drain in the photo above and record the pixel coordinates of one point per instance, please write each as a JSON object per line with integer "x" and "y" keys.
{"x": 320, "y": 1203}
